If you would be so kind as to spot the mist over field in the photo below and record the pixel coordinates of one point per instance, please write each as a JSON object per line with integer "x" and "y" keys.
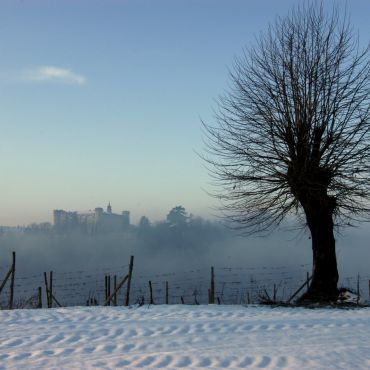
{"x": 161, "y": 248}
{"x": 179, "y": 250}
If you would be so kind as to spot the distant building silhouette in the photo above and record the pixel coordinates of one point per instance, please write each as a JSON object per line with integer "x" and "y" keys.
{"x": 91, "y": 222}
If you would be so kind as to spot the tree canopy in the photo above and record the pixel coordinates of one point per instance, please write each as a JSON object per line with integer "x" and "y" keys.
{"x": 295, "y": 121}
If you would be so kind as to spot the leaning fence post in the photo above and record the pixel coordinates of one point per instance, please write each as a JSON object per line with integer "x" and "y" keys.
{"x": 6, "y": 279}
{"x": 56, "y": 301}
{"x": 298, "y": 290}
{"x": 47, "y": 290}
{"x": 11, "y": 298}
{"x": 131, "y": 265}
{"x": 115, "y": 292}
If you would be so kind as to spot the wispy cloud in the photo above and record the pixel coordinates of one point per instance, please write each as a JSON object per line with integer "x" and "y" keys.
{"x": 53, "y": 74}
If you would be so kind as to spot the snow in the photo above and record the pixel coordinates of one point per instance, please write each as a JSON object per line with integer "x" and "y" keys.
{"x": 186, "y": 337}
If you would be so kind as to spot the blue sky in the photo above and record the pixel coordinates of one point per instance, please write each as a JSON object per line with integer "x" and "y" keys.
{"x": 102, "y": 100}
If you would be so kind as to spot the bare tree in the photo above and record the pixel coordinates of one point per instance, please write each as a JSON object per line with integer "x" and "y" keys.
{"x": 293, "y": 134}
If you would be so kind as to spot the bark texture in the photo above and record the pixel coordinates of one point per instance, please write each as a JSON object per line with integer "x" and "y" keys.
{"x": 324, "y": 282}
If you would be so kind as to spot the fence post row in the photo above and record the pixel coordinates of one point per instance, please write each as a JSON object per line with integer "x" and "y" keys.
{"x": 112, "y": 296}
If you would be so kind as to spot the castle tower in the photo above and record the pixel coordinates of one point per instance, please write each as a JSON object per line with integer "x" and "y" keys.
{"x": 109, "y": 208}
{"x": 98, "y": 213}
{"x": 125, "y": 218}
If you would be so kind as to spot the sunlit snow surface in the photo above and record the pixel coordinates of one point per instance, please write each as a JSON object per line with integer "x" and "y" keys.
{"x": 186, "y": 337}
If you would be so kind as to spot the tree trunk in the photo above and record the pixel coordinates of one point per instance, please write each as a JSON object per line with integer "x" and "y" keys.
{"x": 319, "y": 214}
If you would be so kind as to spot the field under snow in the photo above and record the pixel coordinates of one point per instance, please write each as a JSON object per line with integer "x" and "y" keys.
{"x": 187, "y": 337}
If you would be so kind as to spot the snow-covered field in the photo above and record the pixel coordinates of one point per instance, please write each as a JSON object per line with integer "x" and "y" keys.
{"x": 187, "y": 337}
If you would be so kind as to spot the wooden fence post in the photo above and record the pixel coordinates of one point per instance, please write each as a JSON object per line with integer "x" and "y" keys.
{"x": 39, "y": 298}
{"x": 211, "y": 298}
{"x": 358, "y": 288}
{"x": 105, "y": 287}
{"x": 11, "y": 298}
{"x": 109, "y": 284}
{"x": 131, "y": 265}
{"x": 166, "y": 292}
{"x": 51, "y": 289}
{"x": 182, "y": 300}
{"x": 115, "y": 292}
{"x": 151, "y": 301}
{"x": 274, "y": 296}
{"x": 195, "y": 293}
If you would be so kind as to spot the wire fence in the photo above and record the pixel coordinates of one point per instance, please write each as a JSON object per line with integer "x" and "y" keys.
{"x": 232, "y": 285}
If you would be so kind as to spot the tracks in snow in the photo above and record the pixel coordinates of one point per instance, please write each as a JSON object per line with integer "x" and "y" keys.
{"x": 173, "y": 337}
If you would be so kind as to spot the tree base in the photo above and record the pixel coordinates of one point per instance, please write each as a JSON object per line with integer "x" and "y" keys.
{"x": 316, "y": 296}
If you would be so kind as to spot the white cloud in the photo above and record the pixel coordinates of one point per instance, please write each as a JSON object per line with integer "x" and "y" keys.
{"x": 54, "y": 74}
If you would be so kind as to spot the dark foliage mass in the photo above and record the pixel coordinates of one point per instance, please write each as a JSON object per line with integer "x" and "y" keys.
{"x": 160, "y": 245}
